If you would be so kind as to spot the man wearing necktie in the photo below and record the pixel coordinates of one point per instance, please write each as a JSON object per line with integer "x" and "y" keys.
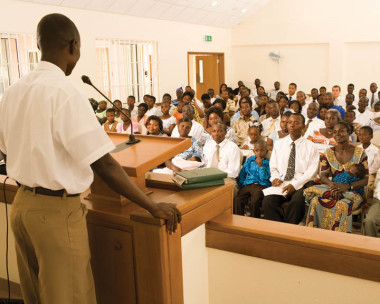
{"x": 292, "y": 92}
{"x": 294, "y": 165}
{"x": 223, "y": 154}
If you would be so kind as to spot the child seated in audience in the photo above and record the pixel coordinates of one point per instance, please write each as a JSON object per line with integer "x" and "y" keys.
{"x": 154, "y": 126}
{"x": 221, "y": 104}
{"x": 322, "y": 111}
{"x": 178, "y": 114}
{"x": 111, "y": 124}
{"x": 350, "y": 117}
{"x": 253, "y": 178}
{"x": 118, "y": 115}
{"x": 168, "y": 121}
{"x": 141, "y": 118}
{"x": 276, "y": 135}
{"x": 254, "y": 134}
{"x": 132, "y": 108}
{"x": 365, "y": 137}
{"x": 125, "y": 126}
{"x": 152, "y": 110}
{"x": 101, "y": 111}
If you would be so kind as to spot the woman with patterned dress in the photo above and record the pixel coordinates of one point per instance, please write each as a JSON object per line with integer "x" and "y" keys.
{"x": 331, "y": 204}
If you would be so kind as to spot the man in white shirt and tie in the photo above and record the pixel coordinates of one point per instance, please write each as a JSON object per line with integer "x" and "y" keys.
{"x": 272, "y": 123}
{"x": 313, "y": 123}
{"x": 222, "y": 153}
{"x": 363, "y": 115}
{"x": 292, "y": 92}
{"x": 373, "y": 94}
{"x": 294, "y": 165}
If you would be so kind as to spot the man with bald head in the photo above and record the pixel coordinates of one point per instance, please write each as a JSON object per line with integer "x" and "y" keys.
{"x": 52, "y": 143}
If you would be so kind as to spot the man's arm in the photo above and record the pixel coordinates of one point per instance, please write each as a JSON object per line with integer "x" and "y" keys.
{"x": 115, "y": 177}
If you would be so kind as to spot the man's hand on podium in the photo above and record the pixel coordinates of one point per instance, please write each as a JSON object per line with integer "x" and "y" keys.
{"x": 170, "y": 213}
{"x": 110, "y": 171}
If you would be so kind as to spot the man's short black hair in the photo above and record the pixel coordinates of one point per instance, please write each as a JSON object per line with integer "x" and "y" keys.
{"x": 293, "y": 84}
{"x": 111, "y": 110}
{"x": 299, "y": 115}
{"x": 55, "y": 32}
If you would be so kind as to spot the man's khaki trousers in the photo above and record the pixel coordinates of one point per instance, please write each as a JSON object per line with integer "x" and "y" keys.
{"x": 53, "y": 254}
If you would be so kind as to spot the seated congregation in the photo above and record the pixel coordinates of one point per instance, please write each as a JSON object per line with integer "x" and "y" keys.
{"x": 298, "y": 158}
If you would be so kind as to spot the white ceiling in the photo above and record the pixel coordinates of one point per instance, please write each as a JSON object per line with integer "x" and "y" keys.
{"x": 219, "y": 13}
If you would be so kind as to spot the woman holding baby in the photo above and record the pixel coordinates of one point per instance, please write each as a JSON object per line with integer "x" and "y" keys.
{"x": 332, "y": 202}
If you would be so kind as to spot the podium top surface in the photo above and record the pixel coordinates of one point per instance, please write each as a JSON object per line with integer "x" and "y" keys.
{"x": 148, "y": 153}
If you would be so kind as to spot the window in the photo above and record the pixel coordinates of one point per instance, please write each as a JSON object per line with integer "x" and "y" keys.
{"x": 18, "y": 56}
{"x": 126, "y": 68}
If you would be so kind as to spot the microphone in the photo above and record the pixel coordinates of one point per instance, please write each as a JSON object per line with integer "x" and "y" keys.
{"x": 132, "y": 139}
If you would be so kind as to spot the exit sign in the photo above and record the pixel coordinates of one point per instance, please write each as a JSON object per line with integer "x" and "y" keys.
{"x": 208, "y": 38}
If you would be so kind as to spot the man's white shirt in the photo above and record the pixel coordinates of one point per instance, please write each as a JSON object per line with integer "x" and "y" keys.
{"x": 306, "y": 161}
{"x": 229, "y": 156}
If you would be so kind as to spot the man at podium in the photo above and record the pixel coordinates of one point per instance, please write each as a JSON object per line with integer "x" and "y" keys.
{"x": 52, "y": 143}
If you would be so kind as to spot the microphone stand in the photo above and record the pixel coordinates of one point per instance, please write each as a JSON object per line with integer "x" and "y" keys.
{"x": 132, "y": 139}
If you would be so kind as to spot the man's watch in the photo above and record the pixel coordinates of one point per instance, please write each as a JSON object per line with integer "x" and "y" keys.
{"x": 351, "y": 187}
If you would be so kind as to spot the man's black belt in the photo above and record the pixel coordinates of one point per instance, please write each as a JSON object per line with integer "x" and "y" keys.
{"x": 44, "y": 191}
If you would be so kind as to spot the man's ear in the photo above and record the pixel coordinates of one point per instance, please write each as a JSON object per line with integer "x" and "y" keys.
{"x": 73, "y": 46}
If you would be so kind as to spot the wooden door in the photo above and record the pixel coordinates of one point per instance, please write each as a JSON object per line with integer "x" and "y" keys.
{"x": 207, "y": 74}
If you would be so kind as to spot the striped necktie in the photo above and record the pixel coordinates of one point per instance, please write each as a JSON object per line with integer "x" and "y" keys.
{"x": 291, "y": 163}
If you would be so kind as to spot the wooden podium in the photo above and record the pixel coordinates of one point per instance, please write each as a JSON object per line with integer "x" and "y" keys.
{"x": 134, "y": 259}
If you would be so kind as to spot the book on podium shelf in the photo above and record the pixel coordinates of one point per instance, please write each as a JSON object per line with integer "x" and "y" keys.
{"x": 200, "y": 178}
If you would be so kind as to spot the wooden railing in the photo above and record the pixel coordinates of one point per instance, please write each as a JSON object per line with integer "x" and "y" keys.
{"x": 336, "y": 252}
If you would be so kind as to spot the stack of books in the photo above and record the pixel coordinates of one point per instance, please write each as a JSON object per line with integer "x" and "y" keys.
{"x": 200, "y": 178}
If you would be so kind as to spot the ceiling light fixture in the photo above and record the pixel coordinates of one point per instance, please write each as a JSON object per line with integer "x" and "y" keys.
{"x": 214, "y": 3}
{"x": 243, "y": 10}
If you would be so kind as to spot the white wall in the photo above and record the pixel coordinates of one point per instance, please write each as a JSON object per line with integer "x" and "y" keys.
{"x": 321, "y": 43}
{"x": 174, "y": 39}
{"x": 235, "y": 278}
{"x": 195, "y": 267}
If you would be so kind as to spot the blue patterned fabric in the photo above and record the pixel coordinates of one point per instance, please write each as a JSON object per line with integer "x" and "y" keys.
{"x": 347, "y": 178}
{"x": 194, "y": 151}
{"x": 251, "y": 173}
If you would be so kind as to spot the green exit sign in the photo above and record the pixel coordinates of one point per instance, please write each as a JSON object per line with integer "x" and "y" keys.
{"x": 208, "y": 38}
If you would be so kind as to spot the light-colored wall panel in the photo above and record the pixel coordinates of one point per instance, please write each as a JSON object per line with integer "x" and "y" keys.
{"x": 174, "y": 39}
{"x": 361, "y": 64}
{"x": 304, "y": 64}
{"x": 235, "y": 278}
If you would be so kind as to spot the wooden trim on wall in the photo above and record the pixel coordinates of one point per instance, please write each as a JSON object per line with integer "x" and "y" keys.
{"x": 346, "y": 254}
